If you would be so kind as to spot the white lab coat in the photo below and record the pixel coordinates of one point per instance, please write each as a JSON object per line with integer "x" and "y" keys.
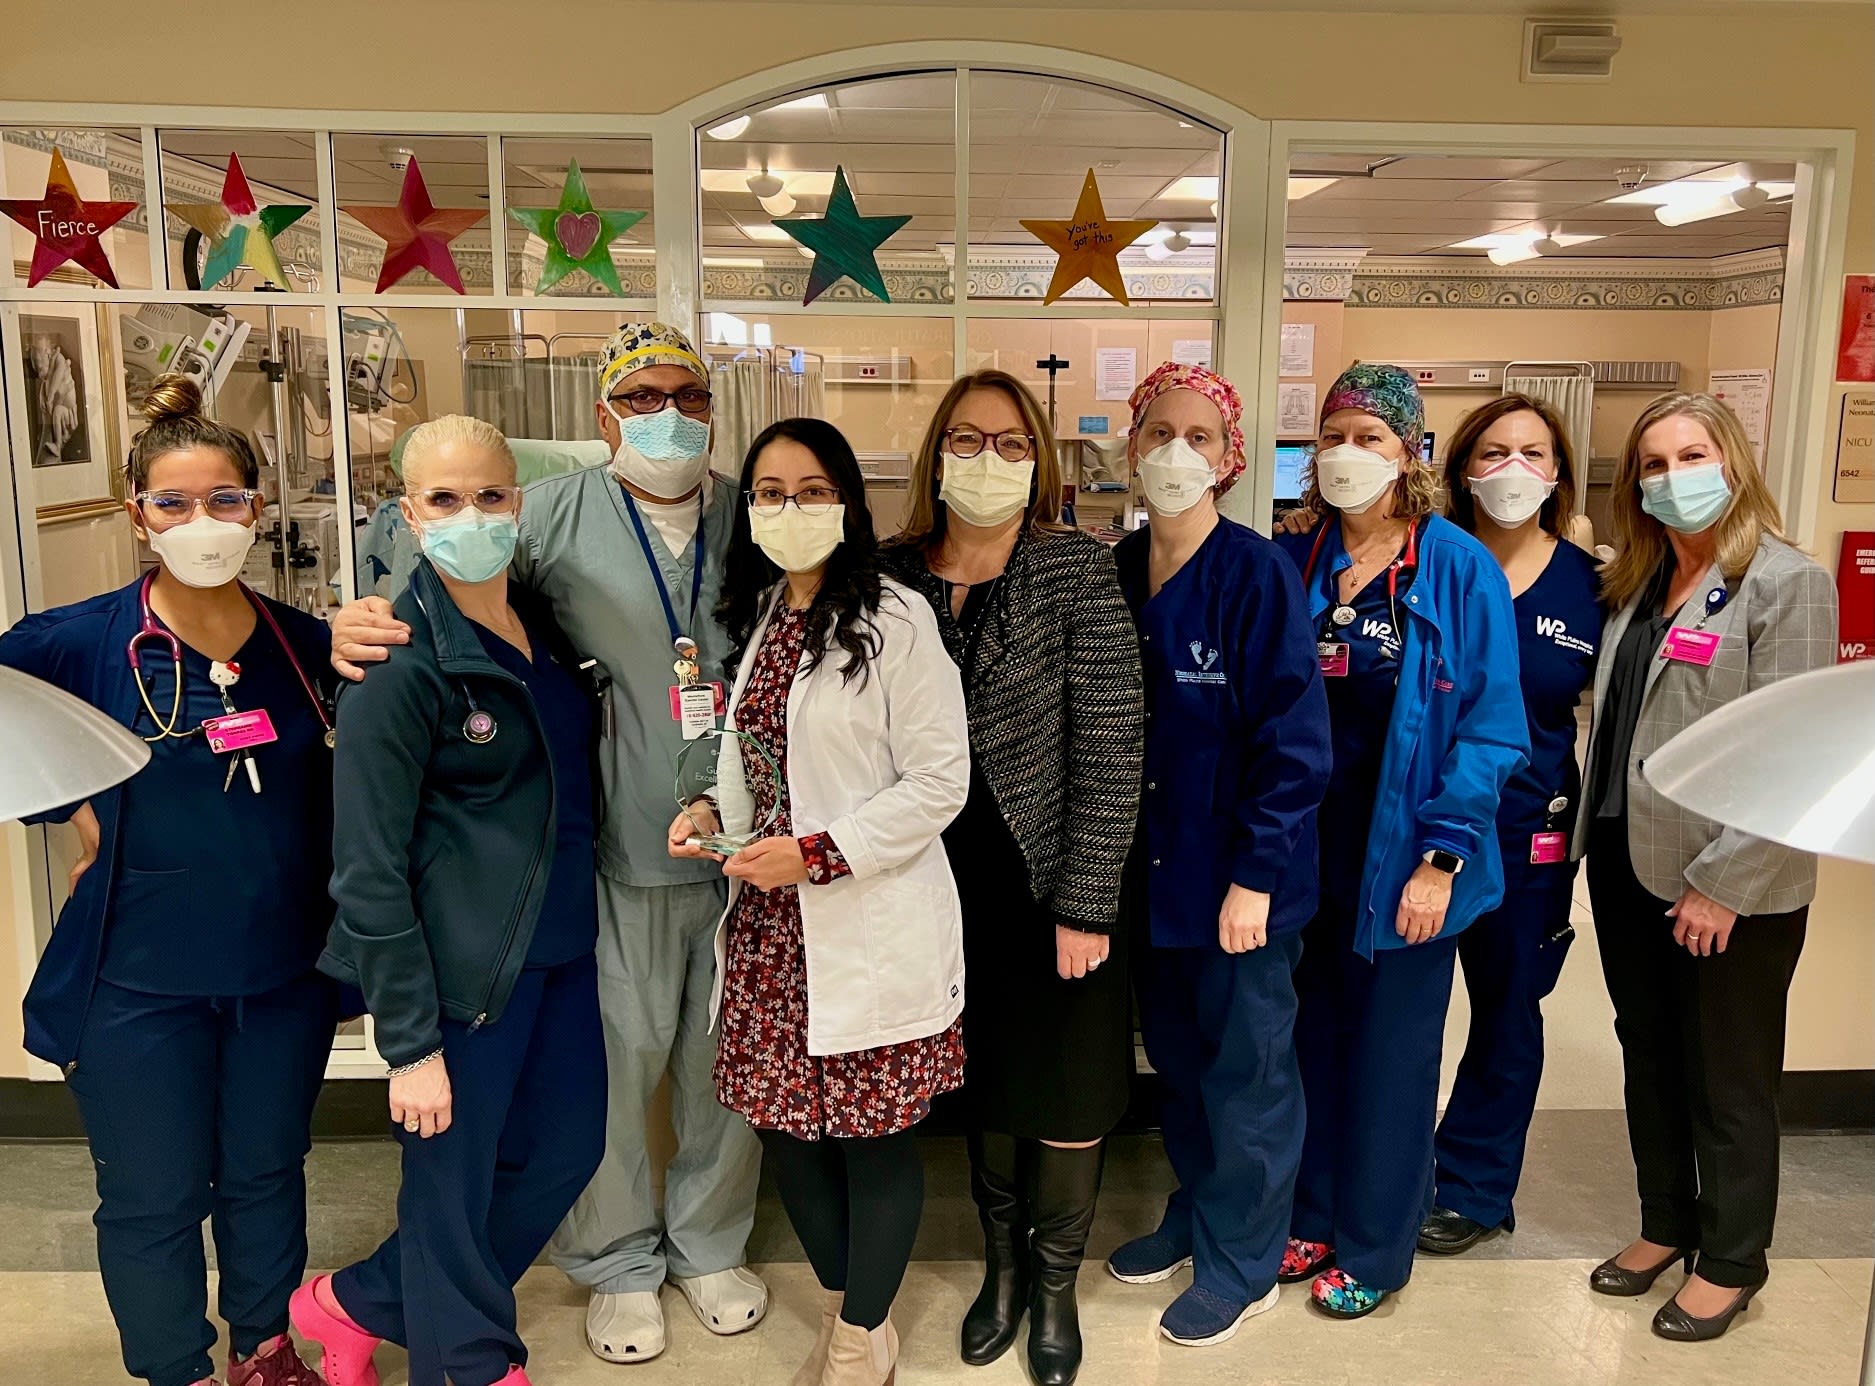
{"x": 884, "y": 768}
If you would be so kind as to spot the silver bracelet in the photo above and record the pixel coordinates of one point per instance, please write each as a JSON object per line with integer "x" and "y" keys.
{"x": 402, "y": 1069}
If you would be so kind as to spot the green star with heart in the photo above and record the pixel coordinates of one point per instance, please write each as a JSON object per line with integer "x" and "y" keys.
{"x": 578, "y": 236}
{"x": 843, "y": 243}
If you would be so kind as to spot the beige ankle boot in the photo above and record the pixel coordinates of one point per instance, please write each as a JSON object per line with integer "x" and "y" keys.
{"x": 816, "y": 1365}
{"x": 857, "y": 1357}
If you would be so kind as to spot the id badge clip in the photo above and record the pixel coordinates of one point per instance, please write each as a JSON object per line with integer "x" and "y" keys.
{"x": 1688, "y": 646}
{"x": 239, "y": 731}
{"x": 1333, "y": 657}
{"x": 1550, "y": 845}
{"x": 695, "y": 705}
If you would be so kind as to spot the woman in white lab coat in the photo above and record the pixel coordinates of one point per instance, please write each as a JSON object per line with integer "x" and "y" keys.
{"x": 840, "y": 976}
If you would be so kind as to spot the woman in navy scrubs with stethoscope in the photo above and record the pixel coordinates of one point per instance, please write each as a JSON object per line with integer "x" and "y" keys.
{"x": 1415, "y": 637}
{"x": 178, "y": 991}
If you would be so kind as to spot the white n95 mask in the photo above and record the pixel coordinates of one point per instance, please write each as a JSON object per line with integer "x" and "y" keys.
{"x": 1175, "y": 477}
{"x": 1511, "y": 492}
{"x": 796, "y": 542}
{"x": 1351, "y": 478}
{"x": 985, "y": 490}
{"x": 205, "y": 552}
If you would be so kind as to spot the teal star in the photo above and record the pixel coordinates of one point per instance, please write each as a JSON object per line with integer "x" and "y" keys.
{"x": 577, "y": 236}
{"x": 843, "y": 243}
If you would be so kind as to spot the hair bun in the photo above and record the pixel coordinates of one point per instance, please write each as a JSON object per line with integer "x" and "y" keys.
{"x": 172, "y": 397}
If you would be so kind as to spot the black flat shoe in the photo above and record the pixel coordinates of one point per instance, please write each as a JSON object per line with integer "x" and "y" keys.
{"x": 1675, "y": 1323}
{"x": 1611, "y": 1279}
{"x": 1446, "y": 1233}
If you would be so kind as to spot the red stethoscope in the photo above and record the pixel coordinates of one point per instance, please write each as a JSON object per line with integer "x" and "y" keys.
{"x": 150, "y": 629}
{"x": 1342, "y": 614}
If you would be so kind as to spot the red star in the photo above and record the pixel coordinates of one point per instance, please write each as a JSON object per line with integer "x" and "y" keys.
{"x": 65, "y": 226}
{"x": 417, "y": 233}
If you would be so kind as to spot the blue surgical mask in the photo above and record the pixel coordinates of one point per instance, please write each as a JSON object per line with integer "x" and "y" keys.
{"x": 470, "y": 546}
{"x": 666, "y": 453}
{"x": 1688, "y": 499}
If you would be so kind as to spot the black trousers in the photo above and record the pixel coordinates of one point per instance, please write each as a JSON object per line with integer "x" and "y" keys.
{"x": 1702, "y": 1050}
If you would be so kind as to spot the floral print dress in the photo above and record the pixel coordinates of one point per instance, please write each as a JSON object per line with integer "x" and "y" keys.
{"x": 763, "y": 1069}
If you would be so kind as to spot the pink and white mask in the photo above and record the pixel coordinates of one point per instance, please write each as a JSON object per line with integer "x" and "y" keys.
{"x": 1513, "y": 490}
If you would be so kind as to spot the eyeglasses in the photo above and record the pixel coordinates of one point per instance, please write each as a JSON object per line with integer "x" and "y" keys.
{"x": 809, "y": 500}
{"x": 168, "y": 508}
{"x": 1010, "y": 446}
{"x": 441, "y": 503}
{"x": 692, "y": 399}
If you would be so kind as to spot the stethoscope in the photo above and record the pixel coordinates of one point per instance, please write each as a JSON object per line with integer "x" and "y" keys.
{"x": 479, "y": 727}
{"x": 150, "y": 629}
{"x": 1342, "y": 613}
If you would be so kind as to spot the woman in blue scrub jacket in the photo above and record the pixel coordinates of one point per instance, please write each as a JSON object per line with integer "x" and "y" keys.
{"x": 1237, "y": 758}
{"x": 1417, "y": 644}
{"x": 467, "y": 914}
{"x": 178, "y": 991}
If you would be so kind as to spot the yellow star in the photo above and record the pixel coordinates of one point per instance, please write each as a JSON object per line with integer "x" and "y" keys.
{"x": 1088, "y": 245}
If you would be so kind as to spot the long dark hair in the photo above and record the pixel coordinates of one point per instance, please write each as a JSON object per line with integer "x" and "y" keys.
{"x": 1558, "y": 510}
{"x": 850, "y": 587}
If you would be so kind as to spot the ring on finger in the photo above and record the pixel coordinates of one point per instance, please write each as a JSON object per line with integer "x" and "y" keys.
{"x": 412, "y": 1124}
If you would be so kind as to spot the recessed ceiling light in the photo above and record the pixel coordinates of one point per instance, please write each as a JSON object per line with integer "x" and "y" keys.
{"x": 1698, "y": 190}
{"x": 729, "y": 129}
{"x": 800, "y": 182}
{"x": 760, "y": 232}
{"x": 813, "y": 101}
{"x": 1521, "y": 245}
{"x": 1188, "y": 189}
{"x": 1300, "y": 188}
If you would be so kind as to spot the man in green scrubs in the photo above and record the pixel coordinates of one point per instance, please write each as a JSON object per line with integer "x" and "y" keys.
{"x": 631, "y": 557}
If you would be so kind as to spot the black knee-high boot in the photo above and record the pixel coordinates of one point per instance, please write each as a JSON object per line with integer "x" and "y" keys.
{"x": 996, "y": 1184}
{"x": 1067, "y": 1183}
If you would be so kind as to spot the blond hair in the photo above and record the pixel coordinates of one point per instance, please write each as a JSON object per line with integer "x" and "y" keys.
{"x": 924, "y": 526}
{"x": 427, "y": 438}
{"x": 1641, "y": 540}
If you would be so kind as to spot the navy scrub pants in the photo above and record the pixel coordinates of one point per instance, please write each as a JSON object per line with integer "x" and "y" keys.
{"x": 200, "y": 1108}
{"x": 1510, "y": 966}
{"x": 1369, "y": 1035}
{"x": 1219, "y": 1033}
{"x": 479, "y": 1202}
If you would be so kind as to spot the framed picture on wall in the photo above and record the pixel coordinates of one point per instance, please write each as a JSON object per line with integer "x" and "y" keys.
{"x": 65, "y": 415}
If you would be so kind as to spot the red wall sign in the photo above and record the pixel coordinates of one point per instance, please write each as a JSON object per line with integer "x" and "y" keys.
{"x": 1855, "y": 596}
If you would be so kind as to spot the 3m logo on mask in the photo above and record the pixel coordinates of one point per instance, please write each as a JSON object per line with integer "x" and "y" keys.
{"x": 1205, "y": 658}
{"x": 1381, "y": 631}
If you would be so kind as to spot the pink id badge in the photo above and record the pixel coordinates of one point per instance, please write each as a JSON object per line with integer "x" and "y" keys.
{"x": 1688, "y": 646}
{"x": 1333, "y": 655}
{"x": 239, "y": 730}
{"x": 1548, "y": 847}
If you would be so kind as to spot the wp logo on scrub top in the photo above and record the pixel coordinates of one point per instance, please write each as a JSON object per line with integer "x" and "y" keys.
{"x": 1557, "y": 630}
{"x": 1204, "y": 658}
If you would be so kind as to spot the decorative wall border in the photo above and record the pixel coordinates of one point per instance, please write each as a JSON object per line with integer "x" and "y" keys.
{"x": 1753, "y": 279}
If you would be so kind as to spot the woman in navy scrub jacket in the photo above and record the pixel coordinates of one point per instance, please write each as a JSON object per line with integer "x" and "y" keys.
{"x": 178, "y": 992}
{"x": 1416, "y": 642}
{"x": 1237, "y": 752}
{"x": 467, "y": 914}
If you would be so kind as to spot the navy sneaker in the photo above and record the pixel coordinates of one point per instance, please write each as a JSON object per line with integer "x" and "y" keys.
{"x": 1149, "y": 1259}
{"x": 1199, "y": 1318}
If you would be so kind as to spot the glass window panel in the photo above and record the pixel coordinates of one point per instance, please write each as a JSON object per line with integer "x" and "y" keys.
{"x": 106, "y": 165}
{"x": 1032, "y": 142}
{"x": 896, "y": 139}
{"x": 617, "y": 176}
{"x": 369, "y": 170}
{"x": 280, "y": 169}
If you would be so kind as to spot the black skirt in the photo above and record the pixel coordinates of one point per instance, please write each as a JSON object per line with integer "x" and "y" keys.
{"x": 1045, "y": 1059}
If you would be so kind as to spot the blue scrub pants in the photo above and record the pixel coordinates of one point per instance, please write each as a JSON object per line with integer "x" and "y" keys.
{"x": 1219, "y": 1033}
{"x": 200, "y": 1108}
{"x": 479, "y": 1202}
{"x": 1509, "y": 968}
{"x": 1369, "y": 1035}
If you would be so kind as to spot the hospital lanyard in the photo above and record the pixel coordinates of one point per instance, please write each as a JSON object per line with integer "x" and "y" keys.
{"x": 657, "y": 573}
{"x": 1342, "y": 614}
{"x": 149, "y": 629}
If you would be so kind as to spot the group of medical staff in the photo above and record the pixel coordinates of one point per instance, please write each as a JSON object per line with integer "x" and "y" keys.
{"x": 975, "y": 789}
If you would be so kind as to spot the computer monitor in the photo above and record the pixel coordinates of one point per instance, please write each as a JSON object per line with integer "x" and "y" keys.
{"x": 1425, "y": 448}
{"x": 1290, "y": 460}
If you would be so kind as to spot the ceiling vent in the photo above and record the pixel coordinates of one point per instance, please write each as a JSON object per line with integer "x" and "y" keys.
{"x": 1569, "y": 50}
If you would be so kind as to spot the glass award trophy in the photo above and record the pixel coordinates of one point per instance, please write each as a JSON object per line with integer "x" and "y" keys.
{"x": 697, "y": 779}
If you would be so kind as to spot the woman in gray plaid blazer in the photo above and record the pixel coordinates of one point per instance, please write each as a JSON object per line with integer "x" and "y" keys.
{"x": 1699, "y": 926}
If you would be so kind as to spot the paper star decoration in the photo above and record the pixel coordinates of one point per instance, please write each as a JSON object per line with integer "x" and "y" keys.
{"x": 240, "y": 231}
{"x": 1088, "y": 245}
{"x": 843, "y": 243}
{"x": 65, "y": 226}
{"x": 417, "y": 232}
{"x": 577, "y": 236}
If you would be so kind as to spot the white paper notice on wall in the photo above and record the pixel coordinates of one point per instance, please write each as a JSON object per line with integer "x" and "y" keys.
{"x": 1748, "y": 393}
{"x": 1192, "y": 351}
{"x": 1295, "y": 411}
{"x": 1298, "y": 354}
{"x": 1116, "y": 371}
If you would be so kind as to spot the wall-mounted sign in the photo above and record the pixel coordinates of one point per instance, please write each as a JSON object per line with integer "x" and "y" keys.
{"x": 1855, "y": 596}
{"x": 1855, "y": 449}
{"x": 1855, "y": 343}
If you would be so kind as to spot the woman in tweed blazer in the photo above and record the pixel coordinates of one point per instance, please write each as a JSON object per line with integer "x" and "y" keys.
{"x": 1031, "y": 611}
{"x": 1699, "y": 926}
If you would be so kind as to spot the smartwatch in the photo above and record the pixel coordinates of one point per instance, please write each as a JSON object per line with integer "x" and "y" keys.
{"x": 1440, "y": 860}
